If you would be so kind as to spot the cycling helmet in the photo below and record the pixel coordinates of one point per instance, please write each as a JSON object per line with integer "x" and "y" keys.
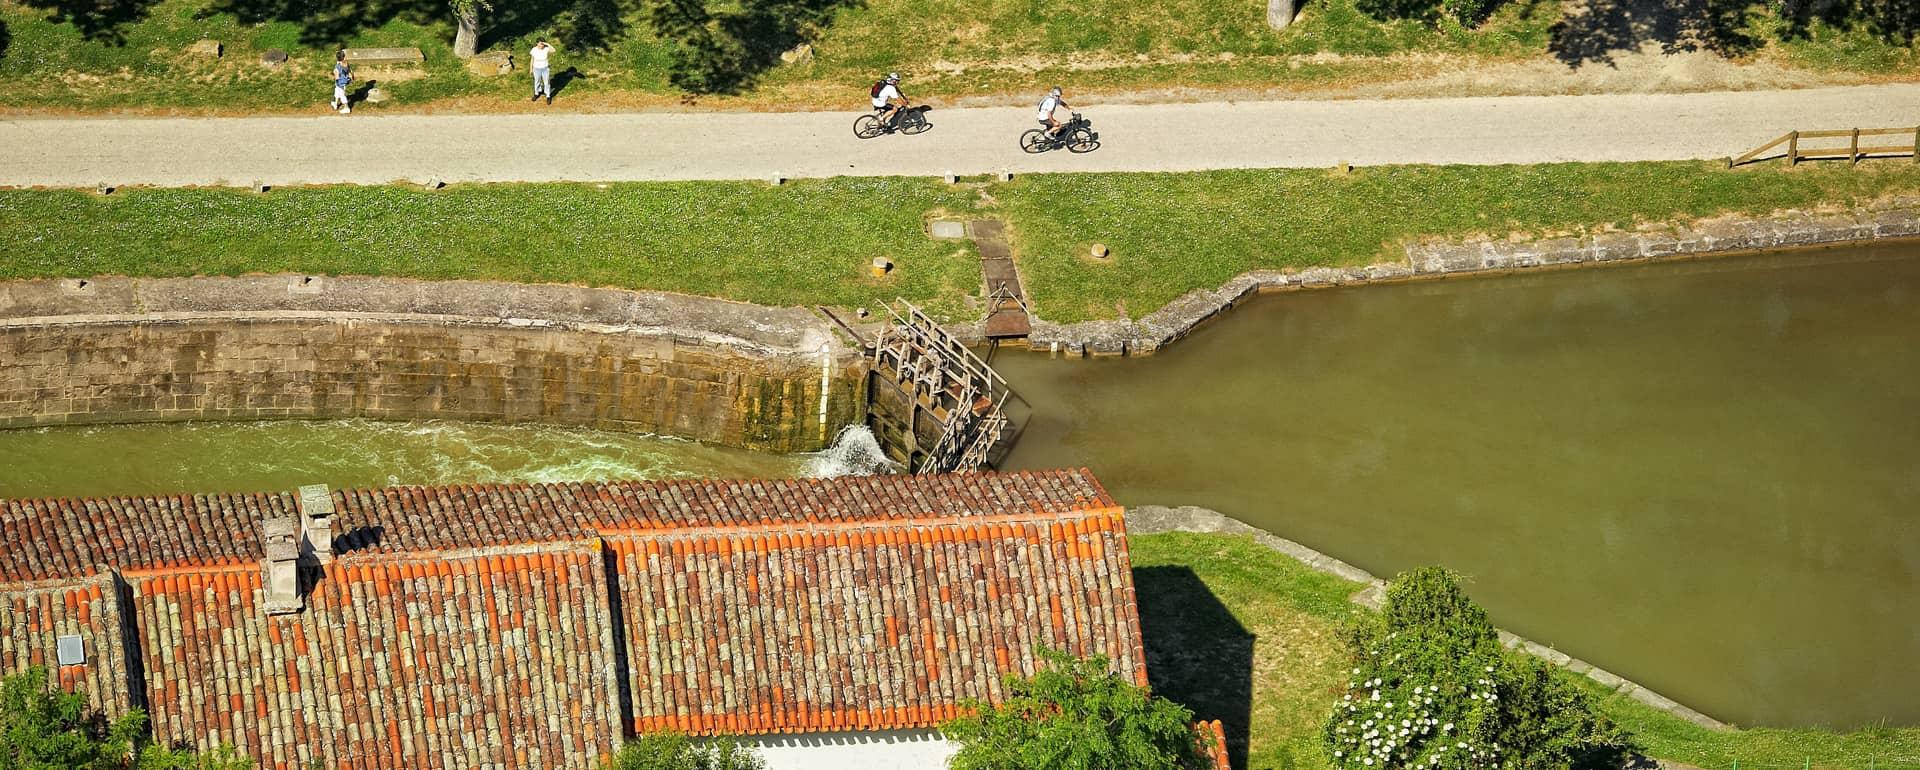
{"x": 1055, "y": 91}
{"x": 893, "y": 77}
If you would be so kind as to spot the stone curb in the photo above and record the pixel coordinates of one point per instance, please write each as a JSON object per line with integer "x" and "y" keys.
{"x": 1894, "y": 218}
{"x": 757, "y": 330}
{"x": 1149, "y": 519}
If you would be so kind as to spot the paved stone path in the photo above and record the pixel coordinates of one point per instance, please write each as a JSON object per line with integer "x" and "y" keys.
{"x": 366, "y": 149}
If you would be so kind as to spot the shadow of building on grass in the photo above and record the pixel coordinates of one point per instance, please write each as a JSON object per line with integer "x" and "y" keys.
{"x": 1198, "y": 654}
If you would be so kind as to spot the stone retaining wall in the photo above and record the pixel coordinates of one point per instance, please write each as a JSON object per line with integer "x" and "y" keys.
{"x": 1724, "y": 235}
{"x": 275, "y": 347}
{"x": 1149, "y": 519}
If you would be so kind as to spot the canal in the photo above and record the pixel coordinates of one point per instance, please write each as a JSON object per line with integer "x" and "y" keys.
{"x": 1704, "y": 476}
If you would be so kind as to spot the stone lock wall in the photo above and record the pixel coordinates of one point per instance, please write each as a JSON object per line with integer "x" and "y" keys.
{"x": 723, "y": 373}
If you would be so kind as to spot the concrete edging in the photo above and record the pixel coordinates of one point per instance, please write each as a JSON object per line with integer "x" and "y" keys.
{"x": 1897, "y": 218}
{"x": 1150, "y": 519}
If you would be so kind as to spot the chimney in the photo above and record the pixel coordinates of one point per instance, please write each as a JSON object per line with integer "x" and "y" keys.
{"x": 316, "y": 525}
{"x": 282, "y": 565}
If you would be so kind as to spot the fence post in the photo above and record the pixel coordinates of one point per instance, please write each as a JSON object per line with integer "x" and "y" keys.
{"x": 1853, "y": 150}
{"x": 1793, "y": 149}
{"x": 1916, "y": 144}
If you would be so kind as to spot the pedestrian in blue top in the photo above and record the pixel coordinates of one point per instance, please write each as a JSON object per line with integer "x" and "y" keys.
{"x": 342, "y": 75}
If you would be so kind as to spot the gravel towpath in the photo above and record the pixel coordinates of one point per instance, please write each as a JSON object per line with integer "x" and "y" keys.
{"x": 367, "y": 149}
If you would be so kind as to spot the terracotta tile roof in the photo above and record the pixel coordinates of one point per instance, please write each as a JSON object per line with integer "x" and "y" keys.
{"x": 66, "y": 538}
{"x": 34, "y": 616}
{"x": 1213, "y": 738}
{"x": 499, "y": 660}
{"x": 485, "y": 627}
{"x": 802, "y": 629}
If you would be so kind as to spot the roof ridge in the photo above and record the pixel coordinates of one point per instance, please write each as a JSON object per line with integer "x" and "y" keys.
{"x": 1115, "y": 512}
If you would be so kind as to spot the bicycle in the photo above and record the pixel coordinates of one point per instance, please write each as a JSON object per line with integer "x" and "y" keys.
{"x": 1077, "y": 136}
{"x": 909, "y": 121}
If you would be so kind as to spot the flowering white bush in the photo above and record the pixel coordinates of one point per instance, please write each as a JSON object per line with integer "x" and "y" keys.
{"x": 1432, "y": 688}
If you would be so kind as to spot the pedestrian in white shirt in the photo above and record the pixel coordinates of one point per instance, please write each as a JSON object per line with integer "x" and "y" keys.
{"x": 542, "y": 71}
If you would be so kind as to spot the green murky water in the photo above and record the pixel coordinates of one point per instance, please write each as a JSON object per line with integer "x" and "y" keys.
{"x": 1704, "y": 476}
{"x": 281, "y": 455}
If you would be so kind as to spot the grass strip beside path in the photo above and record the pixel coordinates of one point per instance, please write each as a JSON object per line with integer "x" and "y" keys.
{"x": 1237, "y": 631}
{"x": 1172, "y": 233}
{"x": 807, "y": 242}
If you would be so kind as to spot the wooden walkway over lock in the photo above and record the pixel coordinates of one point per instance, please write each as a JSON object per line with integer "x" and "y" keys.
{"x": 1852, "y": 152}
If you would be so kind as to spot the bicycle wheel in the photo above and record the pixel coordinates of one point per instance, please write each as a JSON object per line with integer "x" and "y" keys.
{"x": 867, "y": 126}
{"x": 1082, "y": 140}
{"x": 1033, "y": 141}
{"x": 914, "y": 122}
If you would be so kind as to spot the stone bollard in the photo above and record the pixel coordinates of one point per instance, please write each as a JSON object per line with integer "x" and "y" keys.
{"x": 273, "y": 57}
{"x": 433, "y": 183}
{"x": 103, "y": 188}
{"x": 1005, "y": 176}
{"x": 950, "y": 178}
{"x": 1099, "y": 251}
{"x": 881, "y": 267}
{"x": 376, "y": 95}
{"x": 207, "y": 48}
{"x": 777, "y": 179}
{"x": 260, "y": 187}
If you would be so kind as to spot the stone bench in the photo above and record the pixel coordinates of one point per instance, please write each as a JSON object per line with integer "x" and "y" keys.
{"x": 385, "y": 57}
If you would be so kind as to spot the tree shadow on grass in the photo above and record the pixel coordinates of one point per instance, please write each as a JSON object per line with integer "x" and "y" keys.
{"x": 575, "y": 25}
{"x": 330, "y": 23}
{"x": 1595, "y": 31}
{"x": 6, "y": 39}
{"x": 1198, "y": 654}
{"x": 101, "y": 21}
{"x": 726, "y": 52}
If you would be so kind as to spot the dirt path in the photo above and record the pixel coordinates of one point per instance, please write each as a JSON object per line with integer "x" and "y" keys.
{"x": 1135, "y": 137}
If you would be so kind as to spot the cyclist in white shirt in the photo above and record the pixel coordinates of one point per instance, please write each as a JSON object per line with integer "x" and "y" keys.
{"x": 1045, "y": 115}
{"x": 887, "y": 99}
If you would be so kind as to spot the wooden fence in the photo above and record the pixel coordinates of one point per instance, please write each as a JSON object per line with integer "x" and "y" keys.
{"x": 1852, "y": 152}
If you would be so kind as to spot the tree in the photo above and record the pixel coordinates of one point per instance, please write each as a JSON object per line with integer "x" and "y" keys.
{"x": 466, "y": 42}
{"x": 673, "y": 751}
{"x": 44, "y": 727}
{"x": 1431, "y": 687}
{"x": 1075, "y": 715}
{"x": 1280, "y": 13}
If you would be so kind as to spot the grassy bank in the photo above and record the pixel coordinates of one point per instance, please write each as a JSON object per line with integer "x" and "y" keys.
{"x": 804, "y": 243}
{"x": 1243, "y": 634}
{"x": 133, "y": 53}
{"x": 809, "y": 242}
{"x": 1171, "y": 233}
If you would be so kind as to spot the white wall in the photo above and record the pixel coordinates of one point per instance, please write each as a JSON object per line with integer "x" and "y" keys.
{"x": 874, "y": 750}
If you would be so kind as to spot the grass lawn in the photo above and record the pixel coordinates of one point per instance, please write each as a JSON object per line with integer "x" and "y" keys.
{"x": 809, "y": 242}
{"x": 806, "y": 242}
{"x": 132, "y": 53}
{"x": 1236, "y": 631}
{"x": 1171, "y": 233}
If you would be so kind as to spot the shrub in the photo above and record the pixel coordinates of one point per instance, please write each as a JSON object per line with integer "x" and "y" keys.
{"x": 43, "y": 727}
{"x": 1075, "y": 715}
{"x": 1432, "y": 687}
{"x": 673, "y": 751}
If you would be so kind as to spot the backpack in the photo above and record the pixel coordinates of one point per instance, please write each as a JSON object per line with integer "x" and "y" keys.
{"x": 875, "y": 91}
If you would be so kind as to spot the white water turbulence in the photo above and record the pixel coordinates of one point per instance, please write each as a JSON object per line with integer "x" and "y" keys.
{"x": 855, "y": 452}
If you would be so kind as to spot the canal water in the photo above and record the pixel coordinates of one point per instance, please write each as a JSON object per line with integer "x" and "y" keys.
{"x": 281, "y": 455}
{"x": 1704, "y": 476}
